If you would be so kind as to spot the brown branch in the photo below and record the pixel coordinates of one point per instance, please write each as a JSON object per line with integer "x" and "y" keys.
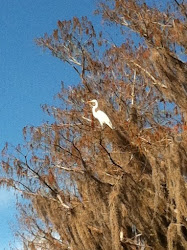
{"x": 67, "y": 151}
{"x": 109, "y": 155}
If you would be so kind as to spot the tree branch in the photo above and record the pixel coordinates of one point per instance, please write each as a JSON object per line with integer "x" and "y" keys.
{"x": 155, "y": 82}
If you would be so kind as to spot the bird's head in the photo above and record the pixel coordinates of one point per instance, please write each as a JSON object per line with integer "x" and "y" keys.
{"x": 93, "y": 102}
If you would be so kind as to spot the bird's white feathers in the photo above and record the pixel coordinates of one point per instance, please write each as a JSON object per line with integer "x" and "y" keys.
{"x": 100, "y": 115}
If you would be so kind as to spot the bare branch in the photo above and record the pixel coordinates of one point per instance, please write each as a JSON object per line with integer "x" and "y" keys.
{"x": 86, "y": 119}
{"x": 133, "y": 89}
{"x": 155, "y": 82}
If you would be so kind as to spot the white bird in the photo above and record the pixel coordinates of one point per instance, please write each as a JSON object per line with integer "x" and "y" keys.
{"x": 100, "y": 115}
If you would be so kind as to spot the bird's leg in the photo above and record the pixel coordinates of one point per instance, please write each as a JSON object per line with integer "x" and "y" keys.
{"x": 100, "y": 136}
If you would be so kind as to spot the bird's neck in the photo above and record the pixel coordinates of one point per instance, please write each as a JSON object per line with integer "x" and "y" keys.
{"x": 94, "y": 108}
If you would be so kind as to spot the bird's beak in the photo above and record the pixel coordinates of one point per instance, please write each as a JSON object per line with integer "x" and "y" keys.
{"x": 89, "y": 102}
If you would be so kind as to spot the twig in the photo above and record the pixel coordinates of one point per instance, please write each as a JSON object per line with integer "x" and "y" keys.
{"x": 69, "y": 169}
{"x": 182, "y": 6}
{"x": 67, "y": 151}
{"x": 62, "y": 203}
{"x": 86, "y": 119}
{"x": 155, "y": 82}
{"x": 133, "y": 89}
{"x": 164, "y": 25}
{"x": 110, "y": 156}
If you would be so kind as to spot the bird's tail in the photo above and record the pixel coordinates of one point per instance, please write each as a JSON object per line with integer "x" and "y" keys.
{"x": 111, "y": 126}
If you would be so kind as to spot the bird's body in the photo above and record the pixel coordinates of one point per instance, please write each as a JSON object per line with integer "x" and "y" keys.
{"x": 100, "y": 115}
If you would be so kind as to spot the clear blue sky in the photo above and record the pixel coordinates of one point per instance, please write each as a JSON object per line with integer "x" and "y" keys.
{"x": 29, "y": 77}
